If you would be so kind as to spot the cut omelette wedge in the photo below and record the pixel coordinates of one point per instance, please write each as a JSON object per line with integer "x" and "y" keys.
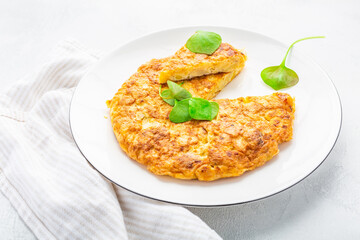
{"x": 207, "y": 86}
{"x": 186, "y": 64}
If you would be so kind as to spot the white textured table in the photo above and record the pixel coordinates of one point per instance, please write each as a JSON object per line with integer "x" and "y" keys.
{"x": 326, "y": 205}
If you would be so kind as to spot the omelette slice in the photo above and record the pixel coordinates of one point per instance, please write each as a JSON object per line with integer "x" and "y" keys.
{"x": 207, "y": 86}
{"x": 186, "y": 64}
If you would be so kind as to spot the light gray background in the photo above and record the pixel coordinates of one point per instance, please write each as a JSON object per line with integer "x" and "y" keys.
{"x": 326, "y": 205}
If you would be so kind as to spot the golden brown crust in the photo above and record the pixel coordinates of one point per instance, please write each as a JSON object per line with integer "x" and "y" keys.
{"x": 244, "y": 135}
{"x": 186, "y": 64}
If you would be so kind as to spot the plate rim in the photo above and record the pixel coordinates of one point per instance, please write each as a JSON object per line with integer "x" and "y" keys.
{"x": 206, "y": 205}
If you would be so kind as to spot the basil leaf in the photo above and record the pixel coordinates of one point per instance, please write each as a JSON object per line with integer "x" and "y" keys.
{"x": 167, "y": 96}
{"x": 279, "y": 77}
{"x": 204, "y": 42}
{"x": 188, "y": 108}
{"x": 200, "y": 109}
{"x": 214, "y": 109}
{"x": 178, "y": 92}
{"x": 171, "y": 102}
{"x": 180, "y": 112}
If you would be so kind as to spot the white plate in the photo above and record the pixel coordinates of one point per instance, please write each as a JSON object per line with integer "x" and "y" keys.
{"x": 316, "y": 127}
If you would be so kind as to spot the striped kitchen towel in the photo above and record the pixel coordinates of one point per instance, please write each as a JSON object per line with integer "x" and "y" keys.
{"x": 50, "y": 184}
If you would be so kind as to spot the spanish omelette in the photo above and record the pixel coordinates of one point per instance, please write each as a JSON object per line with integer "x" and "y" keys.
{"x": 244, "y": 135}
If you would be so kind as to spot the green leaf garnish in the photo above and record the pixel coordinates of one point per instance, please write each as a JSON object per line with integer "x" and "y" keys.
{"x": 178, "y": 92}
{"x": 214, "y": 109}
{"x": 185, "y": 106}
{"x": 167, "y": 96}
{"x": 171, "y": 102}
{"x": 279, "y": 77}
{"x": 180, "y": 112}
{"x": 204, "y": 42}
{"x": 200, "y": 109}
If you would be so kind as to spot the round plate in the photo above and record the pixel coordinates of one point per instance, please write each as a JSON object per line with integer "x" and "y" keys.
{"x": 316, "y": 127}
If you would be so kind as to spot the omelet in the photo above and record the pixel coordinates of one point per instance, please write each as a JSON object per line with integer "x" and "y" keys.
{"x": 244, "y": 135}
{"x": 186, "y": 64}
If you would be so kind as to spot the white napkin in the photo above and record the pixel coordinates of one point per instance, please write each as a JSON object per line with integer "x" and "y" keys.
{"x": 52, "y": 187}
